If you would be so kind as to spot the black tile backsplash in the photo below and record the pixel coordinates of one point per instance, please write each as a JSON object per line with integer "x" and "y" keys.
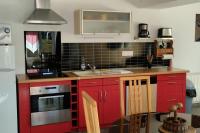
{"x": 107, "y": 55}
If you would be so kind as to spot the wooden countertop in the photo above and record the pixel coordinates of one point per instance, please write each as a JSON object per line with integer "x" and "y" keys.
{"x": 23, "y": 78}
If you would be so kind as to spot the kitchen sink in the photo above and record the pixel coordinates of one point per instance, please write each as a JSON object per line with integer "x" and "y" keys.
{"x": 101, "y": 72}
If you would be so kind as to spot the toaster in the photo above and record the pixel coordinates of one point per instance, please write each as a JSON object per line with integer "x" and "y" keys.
{"x": 165, "y": 32}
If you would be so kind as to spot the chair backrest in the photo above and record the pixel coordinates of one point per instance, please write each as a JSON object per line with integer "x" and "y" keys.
{"x": 91, "y": 113}
{"x": 137, "y": 87}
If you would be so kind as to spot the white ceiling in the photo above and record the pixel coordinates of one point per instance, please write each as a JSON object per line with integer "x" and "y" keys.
{"x": 161, "y": 3}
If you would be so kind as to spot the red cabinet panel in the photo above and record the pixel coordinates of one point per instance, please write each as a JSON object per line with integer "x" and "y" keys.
{"x": 171, "y": 77}
{"x": 93, "y": 91}
{"x": 111, "y": 104}
{"x": 24, "y": 108}
{"x": 52, "y": 128}
{"x": 170, "y": 90}
{"x": 90, "y": 82}
{"x": 110, "y": 81}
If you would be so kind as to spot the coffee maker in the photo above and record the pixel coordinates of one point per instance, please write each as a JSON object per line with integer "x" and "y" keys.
{"x": 143, "y": 30}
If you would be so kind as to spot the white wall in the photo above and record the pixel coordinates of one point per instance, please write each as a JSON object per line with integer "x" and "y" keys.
{"x": 182, "y": 21}
{"x": 16, "y": 11}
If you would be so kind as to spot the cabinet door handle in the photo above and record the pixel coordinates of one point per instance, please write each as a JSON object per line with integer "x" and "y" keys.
{"x": 171, "y": 100}
{"x": 104, "y": 97}
{"x": 101, "y": 96}
{"x": 171, "y": 82}
{"x": 105, "y": 94}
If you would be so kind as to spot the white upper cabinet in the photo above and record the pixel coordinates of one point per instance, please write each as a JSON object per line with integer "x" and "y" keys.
{"x": 102, "y": 22}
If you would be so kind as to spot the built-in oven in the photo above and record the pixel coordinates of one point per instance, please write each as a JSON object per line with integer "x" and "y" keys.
{"x": 50, "y": 104}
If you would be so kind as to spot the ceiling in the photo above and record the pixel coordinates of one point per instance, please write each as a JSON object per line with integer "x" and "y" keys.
{"x": 161, "y": 3}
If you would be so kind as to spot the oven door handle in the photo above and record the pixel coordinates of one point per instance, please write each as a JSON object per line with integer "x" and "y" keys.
{"x": 51, "y": 97}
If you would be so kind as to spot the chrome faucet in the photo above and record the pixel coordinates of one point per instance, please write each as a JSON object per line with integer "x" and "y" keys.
{"x": 92, "y": 67}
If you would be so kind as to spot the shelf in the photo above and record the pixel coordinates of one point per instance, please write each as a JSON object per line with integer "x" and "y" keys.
{"x": 73, "y": 85}
{"x": 160, "y": 52}
{"x": 150, "y": 40}
{"x": 105, "y": 21}
{"x": 160, "y": 39}
{"x": 144, "y": 40}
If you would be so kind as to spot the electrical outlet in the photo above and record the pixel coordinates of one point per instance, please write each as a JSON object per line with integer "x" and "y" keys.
{"x": 127, "y": 53}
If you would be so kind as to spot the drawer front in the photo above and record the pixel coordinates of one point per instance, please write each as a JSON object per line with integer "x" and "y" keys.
{"x": 171, "y": 77}
{"x": 110, "y": 81}
{"x": 90, "y": 82}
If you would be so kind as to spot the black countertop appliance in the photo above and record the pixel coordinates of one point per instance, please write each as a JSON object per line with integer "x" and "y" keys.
{"x": 143, "y": 30}
{"x": 43, "y": 53}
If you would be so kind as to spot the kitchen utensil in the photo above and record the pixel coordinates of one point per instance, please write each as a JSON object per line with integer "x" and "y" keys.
{"x": 149, "y": 60}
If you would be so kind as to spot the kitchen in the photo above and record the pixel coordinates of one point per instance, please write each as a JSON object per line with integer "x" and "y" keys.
{"x": 18, "y": 11}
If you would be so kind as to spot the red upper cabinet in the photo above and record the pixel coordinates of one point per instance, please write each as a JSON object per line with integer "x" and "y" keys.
{"x": 106, "y": 93}
{"x": 170, "y": 90}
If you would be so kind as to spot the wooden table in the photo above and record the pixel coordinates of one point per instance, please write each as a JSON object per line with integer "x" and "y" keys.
{"x": 151, "y": 125}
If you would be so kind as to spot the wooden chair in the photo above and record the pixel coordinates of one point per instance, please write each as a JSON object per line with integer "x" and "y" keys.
{"x": 135, "y": 94}
{"x": 91, "y": 113}
{"x": 135, "y": 100}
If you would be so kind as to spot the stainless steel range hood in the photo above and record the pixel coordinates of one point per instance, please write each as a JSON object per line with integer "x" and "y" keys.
{"x": 44, "y": 15}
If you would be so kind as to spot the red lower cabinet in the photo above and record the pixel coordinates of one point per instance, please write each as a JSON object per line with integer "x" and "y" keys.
{"x": 52, "y": 128}
{"x": 93, "y": 91}
{"x": 170, "y": 90}
{"x": 111, "y": 105}
{"x": 107, "y": 96}
{"x": 24, "y": 109}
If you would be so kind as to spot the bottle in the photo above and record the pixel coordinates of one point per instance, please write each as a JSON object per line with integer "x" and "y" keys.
{"x": 83, "y": 65}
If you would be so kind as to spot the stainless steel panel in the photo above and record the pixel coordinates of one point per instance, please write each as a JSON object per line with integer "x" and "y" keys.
{"x": 48, "y": 103}
{"x": 51, "y": 97}
{"x": 42, "y": 118}
{"x": 43, "y": 4}
{"x": 44, "y": 15}
{"x": 49, "y": 89}
{"x": 167, "y": 32}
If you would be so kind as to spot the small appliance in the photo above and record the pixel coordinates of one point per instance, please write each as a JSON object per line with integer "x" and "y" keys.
{"x": 143, "y": 30}
{"x": 8, "y": 99}
{"x": 165, "y": 32}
